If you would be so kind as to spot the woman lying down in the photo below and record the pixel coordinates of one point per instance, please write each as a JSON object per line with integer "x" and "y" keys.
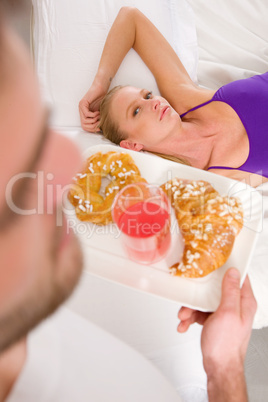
{"x": 224, "y": 131}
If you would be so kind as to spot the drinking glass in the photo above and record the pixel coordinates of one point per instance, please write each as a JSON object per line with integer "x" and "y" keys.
{"x": 141, "y": 211}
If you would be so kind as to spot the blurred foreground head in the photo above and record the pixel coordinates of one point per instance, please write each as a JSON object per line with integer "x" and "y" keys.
{"x": 40, "y": 262}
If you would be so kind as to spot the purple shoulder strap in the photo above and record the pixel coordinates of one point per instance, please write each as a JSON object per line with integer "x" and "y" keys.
{"x": 221, "y": 167}
{"x": 196, "y": 107}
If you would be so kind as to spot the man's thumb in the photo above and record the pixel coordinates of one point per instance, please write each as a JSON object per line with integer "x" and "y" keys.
{"x": 230, "y": 297}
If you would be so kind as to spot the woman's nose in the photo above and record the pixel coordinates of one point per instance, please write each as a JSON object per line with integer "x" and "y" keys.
{"x": 155, "y": 104}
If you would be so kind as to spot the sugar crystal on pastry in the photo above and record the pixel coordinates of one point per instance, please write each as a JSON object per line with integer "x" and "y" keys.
{"x": 208, "y": 222}
{"x": 85, "y": 195}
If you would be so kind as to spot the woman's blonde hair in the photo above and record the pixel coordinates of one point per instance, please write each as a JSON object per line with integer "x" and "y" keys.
{"x": 109, "y": 128}
{"x": 172, "y": 158}
{"x": 111, "y": 131}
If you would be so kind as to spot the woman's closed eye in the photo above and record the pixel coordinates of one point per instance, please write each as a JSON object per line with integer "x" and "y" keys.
{"x": 148, "y": 95}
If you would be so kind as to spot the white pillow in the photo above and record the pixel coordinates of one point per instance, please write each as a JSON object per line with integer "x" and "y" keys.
{"x": 68, "y": 38}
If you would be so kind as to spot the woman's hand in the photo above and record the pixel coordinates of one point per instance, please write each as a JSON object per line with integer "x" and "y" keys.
{"x": 89, "y": 107}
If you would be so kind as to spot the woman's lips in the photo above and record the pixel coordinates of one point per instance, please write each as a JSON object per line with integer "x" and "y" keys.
{"x": 164, "y": 111}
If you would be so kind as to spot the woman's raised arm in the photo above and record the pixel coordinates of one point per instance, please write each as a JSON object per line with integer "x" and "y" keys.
{"x": 131, "y": 29}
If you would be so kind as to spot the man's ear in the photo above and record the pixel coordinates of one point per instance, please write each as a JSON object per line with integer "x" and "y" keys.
{"x": 134, "y": 146}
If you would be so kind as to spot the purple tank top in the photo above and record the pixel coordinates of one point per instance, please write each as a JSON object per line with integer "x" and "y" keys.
{"x": 249, "y": 99}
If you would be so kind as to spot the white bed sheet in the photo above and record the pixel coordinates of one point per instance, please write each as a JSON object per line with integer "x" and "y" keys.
{"x": 232, "y": 39}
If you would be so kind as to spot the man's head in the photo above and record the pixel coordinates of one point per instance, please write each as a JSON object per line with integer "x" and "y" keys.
{"x": 39, "y": 263}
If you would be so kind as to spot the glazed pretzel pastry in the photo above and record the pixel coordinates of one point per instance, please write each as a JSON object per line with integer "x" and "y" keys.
{"x": 85, "y": 195}
{"x": 208, "y": 223}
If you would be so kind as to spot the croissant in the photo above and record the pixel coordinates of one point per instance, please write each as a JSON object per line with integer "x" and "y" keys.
{"x": 208, "y": 223}
{"x": 86, "y": 195}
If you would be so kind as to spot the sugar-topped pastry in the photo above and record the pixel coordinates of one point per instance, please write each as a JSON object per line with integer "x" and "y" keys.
{"x": 208, "y": 222}
{"x": 85, "y": 195}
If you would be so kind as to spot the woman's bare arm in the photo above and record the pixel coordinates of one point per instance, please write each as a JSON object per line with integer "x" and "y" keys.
{"x": 131, "y": 29}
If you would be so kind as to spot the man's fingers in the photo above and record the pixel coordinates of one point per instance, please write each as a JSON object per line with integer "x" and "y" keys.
{"x": 230, "y": 297}
{"x": 189, "y": 316}
{"x": 183, "y": 326}
{"x": 185, "y": 312}
{"x": 186, "y": 322}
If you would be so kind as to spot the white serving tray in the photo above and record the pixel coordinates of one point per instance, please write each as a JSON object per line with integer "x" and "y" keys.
{"x": 107, "y": 258}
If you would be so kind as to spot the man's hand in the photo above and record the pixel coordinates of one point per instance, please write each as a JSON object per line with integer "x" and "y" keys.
{"x": 226, "y": 332}
{"x": 225, "y": 337}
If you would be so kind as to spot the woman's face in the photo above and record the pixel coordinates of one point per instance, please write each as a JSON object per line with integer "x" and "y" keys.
{"x": 149, "y": 121}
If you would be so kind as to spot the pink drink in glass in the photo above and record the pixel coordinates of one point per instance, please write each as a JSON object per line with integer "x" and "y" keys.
{"x": 142, "y": 213}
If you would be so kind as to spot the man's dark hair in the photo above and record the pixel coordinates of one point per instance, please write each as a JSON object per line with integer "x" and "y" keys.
{"x": 14, "y": 6}
{"x": 17, "y": 14}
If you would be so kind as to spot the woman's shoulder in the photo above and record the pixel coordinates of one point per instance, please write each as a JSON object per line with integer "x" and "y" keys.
{"x": 189, "y": 96}
{"x": 250, "y": 89}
